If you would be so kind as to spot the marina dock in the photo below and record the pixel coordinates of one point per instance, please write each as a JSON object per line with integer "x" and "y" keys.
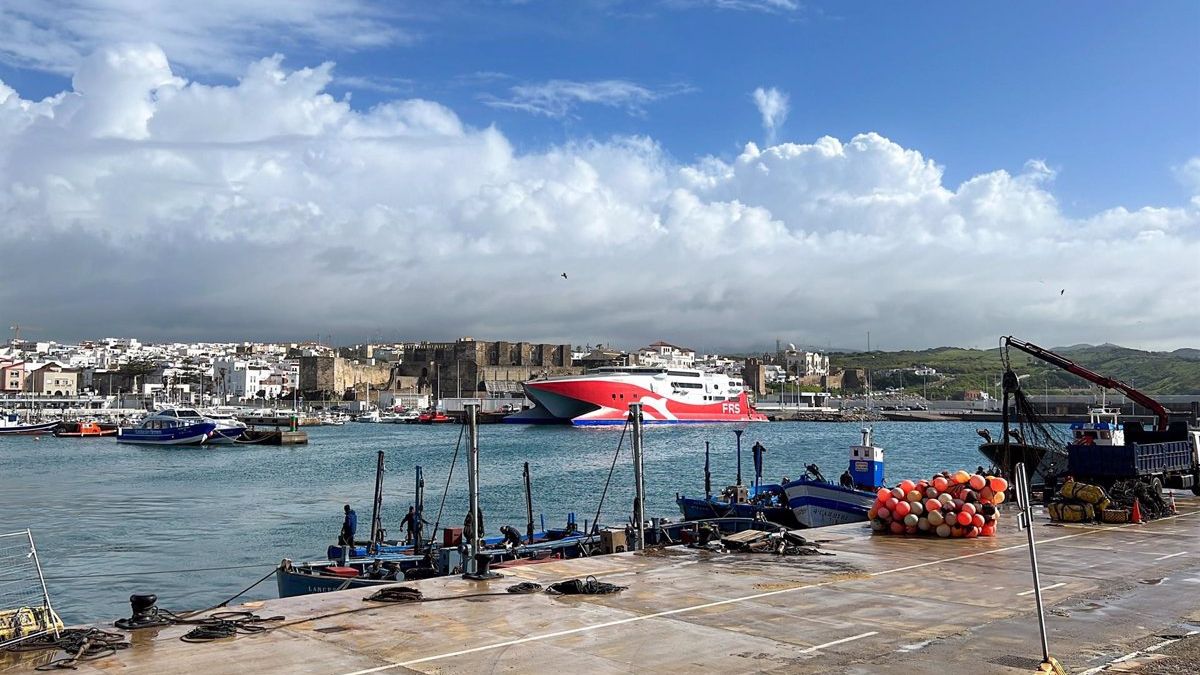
{"x": 1112, "y": 592}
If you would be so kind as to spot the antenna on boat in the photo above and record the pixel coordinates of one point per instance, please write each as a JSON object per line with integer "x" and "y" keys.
{"x": 639, "y": 499}
{"x": 707, "y": 474}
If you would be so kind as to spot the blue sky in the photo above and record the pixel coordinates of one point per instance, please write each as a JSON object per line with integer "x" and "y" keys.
{"x": 1107, "y": 93}
{"x": 471, "y": 151}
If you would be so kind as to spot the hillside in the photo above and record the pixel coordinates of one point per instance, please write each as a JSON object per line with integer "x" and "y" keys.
{"x": 1176, "y": 372}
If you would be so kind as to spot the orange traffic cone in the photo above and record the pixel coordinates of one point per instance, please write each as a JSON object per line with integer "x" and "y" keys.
{"x": 1173, "y": 502}
{"x": 1136, "y": 518}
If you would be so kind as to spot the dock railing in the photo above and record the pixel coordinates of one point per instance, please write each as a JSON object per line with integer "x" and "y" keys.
{"x": 25, "y": 609}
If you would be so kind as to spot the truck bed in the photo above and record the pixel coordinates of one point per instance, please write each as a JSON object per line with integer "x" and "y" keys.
{"x": 1128, "y": 461}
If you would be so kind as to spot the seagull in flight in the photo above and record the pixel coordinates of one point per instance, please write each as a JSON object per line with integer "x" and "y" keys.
{"x": 1062, "y": 291}
{"x": 564, "y": 275}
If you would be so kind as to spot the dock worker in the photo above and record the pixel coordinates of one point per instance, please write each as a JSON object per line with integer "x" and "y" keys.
{"x": 408, "y": 523}
{"x": 349, "y": 526}
{"x": 512, "y": 536}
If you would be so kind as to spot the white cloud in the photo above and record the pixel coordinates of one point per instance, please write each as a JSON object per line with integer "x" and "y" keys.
{"x": 208, "y": 36}
{"x": 1188, "y": 175}
{"x": 557, "y": 98}
{"x": 766, "y": 6}
{"x": 773, "y": 106}
{"x": 143, "y": 203}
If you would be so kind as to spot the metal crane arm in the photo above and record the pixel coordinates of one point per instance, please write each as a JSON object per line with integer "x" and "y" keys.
{"x": 1107, "y": 382}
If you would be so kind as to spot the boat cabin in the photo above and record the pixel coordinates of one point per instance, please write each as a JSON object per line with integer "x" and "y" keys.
{"x": 866, "y": 463}
{"x": 1102, "y": 428}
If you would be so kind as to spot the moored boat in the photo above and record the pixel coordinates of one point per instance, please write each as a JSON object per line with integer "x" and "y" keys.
{"x": 809, "y": 501}
{"x": 12, "y": 424}
{"x": 668, "y": 396}
{"x": 174, "y": 426}
{"x": 87, "y": 429}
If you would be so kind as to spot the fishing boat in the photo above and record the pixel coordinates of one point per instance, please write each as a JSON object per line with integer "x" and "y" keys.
{"x": 12, "y": 424}
{"x": 173, "y": 426}
{"x": 87, "y": 429}
{"x": 809, "y": 501}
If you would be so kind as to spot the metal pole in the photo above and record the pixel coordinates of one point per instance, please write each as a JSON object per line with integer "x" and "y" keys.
{"x": 707, "y": 474}
{"x": 528, "y": 505}
{"x": 639, "y": 499}
{"x": 1025, "y": 522}
{"x": 38, "y": 564}
{"x": 377, "y": 505}
{"x": 472, "y": 410}
{"x": 418, "y": 512}
{"x": 738, "y": 433}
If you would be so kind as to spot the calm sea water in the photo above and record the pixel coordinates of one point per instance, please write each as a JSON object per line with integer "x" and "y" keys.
{"x": 104, "y": 514}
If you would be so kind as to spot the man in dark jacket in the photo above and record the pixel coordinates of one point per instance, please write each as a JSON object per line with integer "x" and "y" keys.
{"x": 349, "y": 526}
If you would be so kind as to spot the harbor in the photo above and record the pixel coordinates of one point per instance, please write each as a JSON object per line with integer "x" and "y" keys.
{"x": 1117, "y": 598}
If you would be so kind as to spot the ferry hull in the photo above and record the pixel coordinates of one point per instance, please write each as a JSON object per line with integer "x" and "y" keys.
{"x": 586, "y": 402}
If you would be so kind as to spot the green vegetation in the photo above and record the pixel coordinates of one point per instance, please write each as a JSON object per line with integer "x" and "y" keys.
{"x": 959, "y": 370}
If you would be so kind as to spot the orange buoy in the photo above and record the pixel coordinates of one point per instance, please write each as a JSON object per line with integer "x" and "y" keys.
{"x": 963, "y": 518}
{"x": 988, "y": 530}
{"x": 883, "y": 494}
{"x": 998, "y": 498}
{"x": 907, "y": 485}
{"x": 961, "y": 477}
{"x": 940, "y": 484}
{"x": 891, "y": 503}
{"x": 872, "y": 512}
{"x": 902, "y": 509}
{"x": 932, "y": 505}
{"x": 897, "y": 527}
{"x": 977, "y": 482}
{"x": 971, "y": 532}
{"x": 977, "y": 520}
{"x": 884, "y": 513}
{"x": 968, "y": 508}
{"x": 898, "y": 493}
{"x": 986, "y": 495}
{"x": 997, "y": 484}
{"x": 956, "y": 531}
{"x": 910, "y": 529}
{"x": 913, "y": 496}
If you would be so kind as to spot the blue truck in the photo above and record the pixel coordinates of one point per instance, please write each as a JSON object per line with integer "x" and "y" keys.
{"x": 1169, "y": 459}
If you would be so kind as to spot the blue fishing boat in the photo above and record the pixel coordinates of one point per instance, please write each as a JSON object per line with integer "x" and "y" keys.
{"x": 809, "y": 501}
{"x": 181, "y": 426}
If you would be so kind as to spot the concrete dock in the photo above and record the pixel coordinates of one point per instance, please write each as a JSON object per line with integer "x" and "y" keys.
{"x": 1120, "y": 598}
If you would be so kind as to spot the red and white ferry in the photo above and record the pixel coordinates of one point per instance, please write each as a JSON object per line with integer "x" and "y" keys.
{"x": 668, "y": 396}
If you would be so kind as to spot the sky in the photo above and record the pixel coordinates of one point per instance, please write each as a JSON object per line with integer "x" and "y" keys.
{"x": 719, "y": 173}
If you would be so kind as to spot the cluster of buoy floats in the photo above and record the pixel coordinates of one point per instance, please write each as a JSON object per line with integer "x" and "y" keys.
{"x": 948, "y": 505}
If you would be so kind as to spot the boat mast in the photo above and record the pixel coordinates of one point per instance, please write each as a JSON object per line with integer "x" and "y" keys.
{"x": 639, "y": 499}
{"x": 472, "y": 409}
{"x": 418, "y": 510}
{"x": 377, "y": 505}
{"x": 528, "y": 505}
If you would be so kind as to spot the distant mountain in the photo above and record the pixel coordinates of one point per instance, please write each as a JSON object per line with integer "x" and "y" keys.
{"x": 1176, "y": 372}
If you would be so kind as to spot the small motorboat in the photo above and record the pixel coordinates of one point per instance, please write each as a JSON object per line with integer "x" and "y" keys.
{"x": 434, "y": 417}
{"x": 89, "y": 429}
{"x": 175, "y": 426}
{"x": 12, "y": 424}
